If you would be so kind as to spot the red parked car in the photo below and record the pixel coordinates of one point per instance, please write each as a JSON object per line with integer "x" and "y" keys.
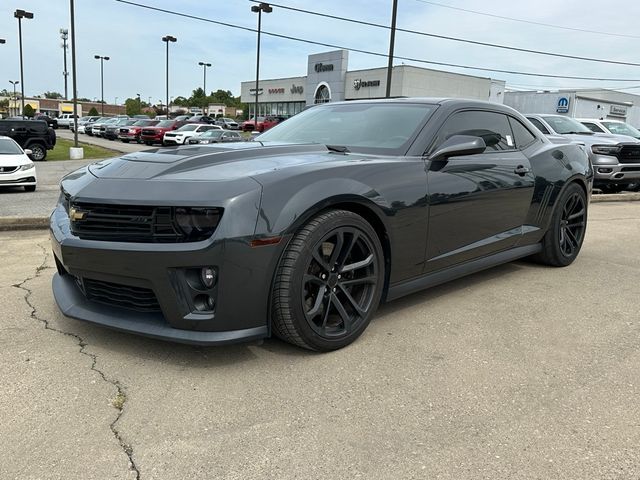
{"x": 264, "y": 123}
{"x": 131, "y": 133}
{"x": 151, "y": 135}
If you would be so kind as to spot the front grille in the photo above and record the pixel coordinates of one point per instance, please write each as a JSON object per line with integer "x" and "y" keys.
{"x": 146, "y": 131}
{"x": 8, "y": 169}
{"x": 129, "y": 223}
{"x": 125, "y": 296}
{"x": 630, "y": 169}
{"x": 629, "y": 154}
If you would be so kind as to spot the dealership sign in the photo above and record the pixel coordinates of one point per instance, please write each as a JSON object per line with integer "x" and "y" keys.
{"x": 276, "y": 90}
{"x": 618, "y": 110}
{"x": 252, "y": 91}
{"x": 297, "y": 89}
{"x": 563, "y": 105}
{"x": 323, "y": 67}
{"x": 359, "y": 83}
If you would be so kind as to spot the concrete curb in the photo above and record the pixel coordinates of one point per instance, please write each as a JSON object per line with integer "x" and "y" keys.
{"x": 24, "y": 223}
{"x": 616, "y": 197}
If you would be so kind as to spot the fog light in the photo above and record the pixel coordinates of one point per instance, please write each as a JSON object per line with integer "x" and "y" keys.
{"x": 208, "y": 276}
{"x": 605, "y": 170}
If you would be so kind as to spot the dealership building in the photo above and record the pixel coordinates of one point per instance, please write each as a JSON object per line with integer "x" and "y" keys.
{"x": 594, "y": 103}
{"x": 328, "y": 79}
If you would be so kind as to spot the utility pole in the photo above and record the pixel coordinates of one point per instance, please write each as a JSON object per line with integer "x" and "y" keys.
{"x": 64, "y": 35}
{"x": 392, "y": 40}
{"x": 74, "y": 75}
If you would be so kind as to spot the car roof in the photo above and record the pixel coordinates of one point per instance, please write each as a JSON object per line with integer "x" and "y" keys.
{"x": 599, "y": 120}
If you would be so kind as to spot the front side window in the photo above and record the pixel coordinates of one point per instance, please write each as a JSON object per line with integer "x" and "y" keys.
{"x": 593, "y": 127}
{"x": 492, "y": 127}
{"x": 521, "y": 134}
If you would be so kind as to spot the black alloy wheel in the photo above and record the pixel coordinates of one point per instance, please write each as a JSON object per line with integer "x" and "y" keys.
{"x": 563, "y": 241}
{"x": 38, "y": 152}
{"x": 329, "y": 282}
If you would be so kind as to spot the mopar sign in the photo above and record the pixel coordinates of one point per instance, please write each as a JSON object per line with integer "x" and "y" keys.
{"x": 563, "y": 105}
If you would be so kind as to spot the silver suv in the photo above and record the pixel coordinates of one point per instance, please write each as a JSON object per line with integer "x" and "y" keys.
{"x": 615, "y": 158}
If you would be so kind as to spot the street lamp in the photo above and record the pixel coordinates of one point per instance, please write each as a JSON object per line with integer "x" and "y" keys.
{"x": 20, "y": 14}
{"x": 15, "y": 97}
{"x": 204, "y": 70}
{"x": 2, "y": 40}
{"x": 116, "y": 102}
{"x": 266, "y": 8}
{"x": 64, "y": 35}
{"x": 102, "y": 59}
{"x": 166, "y": 39}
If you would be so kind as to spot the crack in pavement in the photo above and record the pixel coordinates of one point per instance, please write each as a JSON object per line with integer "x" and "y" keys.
{"x": 121, "y": 398}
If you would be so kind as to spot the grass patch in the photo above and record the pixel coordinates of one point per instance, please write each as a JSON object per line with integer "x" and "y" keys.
{"x": 119, "y": 401}
{"x": 61, "y": 151}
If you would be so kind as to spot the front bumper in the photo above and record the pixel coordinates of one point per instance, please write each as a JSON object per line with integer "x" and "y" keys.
{"x": 18, "y": 178}
{"x": 241, "y": 293}
{"x": 173, "y": 140}
{"x": 152, "y": 138}
{"x": 128, "y": 136}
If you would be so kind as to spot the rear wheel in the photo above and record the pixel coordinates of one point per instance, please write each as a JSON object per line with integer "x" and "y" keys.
{"x": 613, "y": 188}
{"x": 329, "y": 282}
{"x": 563, "y": 240}
{"x": 38, "y": 152}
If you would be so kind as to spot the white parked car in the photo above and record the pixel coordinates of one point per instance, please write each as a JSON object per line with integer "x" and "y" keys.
{"x": 16, "y": 168}
{"x": 614, "y": 127}
{"x": 182, "y": 135}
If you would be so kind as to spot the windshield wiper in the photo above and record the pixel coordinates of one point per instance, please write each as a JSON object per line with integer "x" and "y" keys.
{"x": 337, "y": 148}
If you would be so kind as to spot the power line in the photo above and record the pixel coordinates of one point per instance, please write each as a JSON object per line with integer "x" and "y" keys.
{"x": 531, "y": 22}
{"x": 453, "y": 39}
{"x": 377, "y": 54}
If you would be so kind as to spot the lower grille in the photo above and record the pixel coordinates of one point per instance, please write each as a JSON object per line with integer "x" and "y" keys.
{"x": 630, "y": 169}
{"x": 150, "y": 133}
{"x": 629, "y": 154}
{"x": 125, "y": 296}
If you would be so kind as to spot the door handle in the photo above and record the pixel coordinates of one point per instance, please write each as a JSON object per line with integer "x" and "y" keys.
{"x": 522, "y": 170}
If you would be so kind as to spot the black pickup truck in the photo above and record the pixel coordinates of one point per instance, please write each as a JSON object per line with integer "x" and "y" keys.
{"x": 35, "y": 135}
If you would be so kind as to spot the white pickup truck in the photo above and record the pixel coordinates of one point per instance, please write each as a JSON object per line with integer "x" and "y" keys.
{"x": 65, "y": 120}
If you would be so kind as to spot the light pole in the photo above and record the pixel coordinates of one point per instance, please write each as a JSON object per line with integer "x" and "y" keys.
{"x": 74, "y": 84}
{"x": 15, "y": 97}
{"x": 116, "y": 101}
{"x": 64, "y": 35}
{"x": 204, "y": 83}
{"x": 392, "y": 41}
{"x": 20, "y": 14}
{"x": 102, "y": 59}
{"x": 166, "y": 39}
{"x": 266, "y": 8}
{"x": 2, "y": 40}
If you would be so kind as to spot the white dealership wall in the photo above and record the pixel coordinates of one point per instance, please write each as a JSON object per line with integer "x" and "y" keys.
{"x": 331, "y": 69}
{"x": 596, "y": 103}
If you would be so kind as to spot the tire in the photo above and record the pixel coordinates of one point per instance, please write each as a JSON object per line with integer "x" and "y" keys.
{"x": 124, "y": 141}
{"x": 148, "y": 143}
{"x": 38, "y": 152}
{"x": 329, "y": 282}
{"x": 562, "y": 242}
{"x": 29, "y": 188}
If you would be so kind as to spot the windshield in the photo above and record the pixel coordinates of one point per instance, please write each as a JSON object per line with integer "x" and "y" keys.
{"x": 620, "y": 128}
{"x": 364, "y": 127}
{"x": 9, "y": 147}
{"x": 188, "y": 128}
{"x": 165, "y": 123}
{"x": 211, "y": 134}
{"x": 566, "y": 125}
{"x": 145, "y": 123}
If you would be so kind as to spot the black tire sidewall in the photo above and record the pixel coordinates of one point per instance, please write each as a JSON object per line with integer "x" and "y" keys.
{"x": 553, "y": 235}
{"x": 342, "y": 219}
{"x": 34, "y": 147}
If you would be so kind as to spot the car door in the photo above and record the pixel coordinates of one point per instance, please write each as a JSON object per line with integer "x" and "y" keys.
{"x": 478, "y": 203}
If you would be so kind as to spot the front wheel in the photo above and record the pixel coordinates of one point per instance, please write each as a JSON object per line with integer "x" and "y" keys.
{"x": 328, "y": 283}
{"x": 38, "y": 152}
{"x": 563, "y": 241}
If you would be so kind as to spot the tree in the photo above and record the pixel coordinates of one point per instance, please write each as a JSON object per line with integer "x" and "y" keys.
{"x": 181, "y": 101}
{"x": 133, "y": 106}
{"x": 224, "y": 97}
{"x": 52, "y": 95}
{"x": 199, "y": 98}
{"x": 28, "y": 111}
{"x": 93, "y": 112}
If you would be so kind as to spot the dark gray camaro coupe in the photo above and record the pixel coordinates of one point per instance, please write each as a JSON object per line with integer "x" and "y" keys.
{"x": 303, "y": 232}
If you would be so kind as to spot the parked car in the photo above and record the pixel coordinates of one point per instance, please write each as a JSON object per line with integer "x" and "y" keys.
{"x": 615, "y": 158}
{"x": 227, "y": 123}
{"x": 35, "y": 136}
{"x": 141, "y": 117}
{"x": 82, "y": 123}
{"x": 264, "y": 123}
{"x": 52, "y": 122}
{"x": 185, "y": 132}
{"x": 66, "y": 119}
{"x": 98, "y": 127}
{"x": 151, "y": 135}
{"x": 202, "y": 119}
{"x": 614, "y": 127}
{"x": 303, "y": 234}
{"x": 16, "y": 168}
{"x": 112, "y": 130}
{"x": 182, "y": 118}
{"x": 216, "y": 136}
{"x": 98, "y": 122}
{"x": 131, "y": 133}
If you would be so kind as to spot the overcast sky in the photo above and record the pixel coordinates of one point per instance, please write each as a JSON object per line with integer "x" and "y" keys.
{"x": 131, "y": 36}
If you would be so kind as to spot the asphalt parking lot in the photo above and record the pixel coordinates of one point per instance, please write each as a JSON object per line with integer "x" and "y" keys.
{"x": 522, "y": 372}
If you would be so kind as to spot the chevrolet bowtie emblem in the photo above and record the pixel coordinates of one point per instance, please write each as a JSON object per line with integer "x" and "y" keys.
{"x": 75, "y": 215}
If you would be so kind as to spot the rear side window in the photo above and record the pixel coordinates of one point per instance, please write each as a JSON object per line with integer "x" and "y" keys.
{"x": 593, "y": 127}
{"x": 521, "y": 134}
{"x": 492, "y": 127}
{"x": 538, "y": 124}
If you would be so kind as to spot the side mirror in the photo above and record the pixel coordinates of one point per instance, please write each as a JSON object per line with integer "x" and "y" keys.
{"x": 458, "y": 145}
{"x": 28, "y": 152}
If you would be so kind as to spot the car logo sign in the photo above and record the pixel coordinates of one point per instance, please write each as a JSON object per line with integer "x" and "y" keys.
{"x": 76, "y": 215}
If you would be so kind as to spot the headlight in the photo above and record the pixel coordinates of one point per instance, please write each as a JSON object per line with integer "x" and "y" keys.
{"x": 605, "y": 149}
{"x": 28, "y": 166}
{"x": 204, "y": 141}
{"x": 197, "y": 223}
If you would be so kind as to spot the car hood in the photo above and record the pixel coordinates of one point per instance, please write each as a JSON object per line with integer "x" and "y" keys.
{"x": 13, "y": 160}
{"x": 215, "y": 162}
{"x": 601, "y": 138}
